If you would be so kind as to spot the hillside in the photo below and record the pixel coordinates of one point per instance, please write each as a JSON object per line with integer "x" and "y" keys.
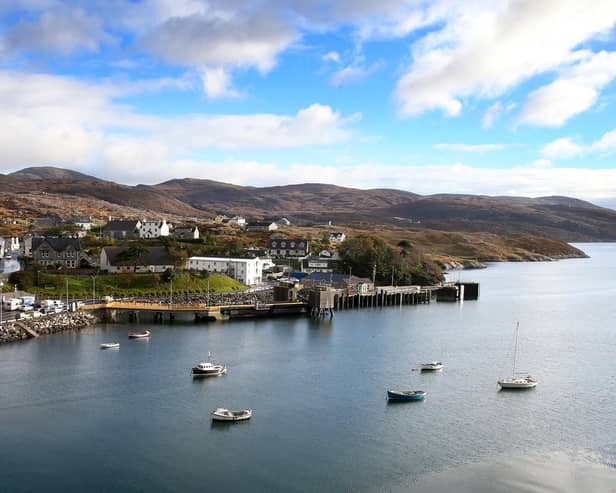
{"x": 563, "y": 218}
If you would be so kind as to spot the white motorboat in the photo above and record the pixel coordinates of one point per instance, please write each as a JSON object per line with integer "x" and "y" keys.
{"x": 139, "y": 335}
{"x": 110, "y": 345}
{"x": 208, "y": 368}
{"x": 431, "y": 366}
{"x": 517, "y": 380}
{"x": 223, "y": 414}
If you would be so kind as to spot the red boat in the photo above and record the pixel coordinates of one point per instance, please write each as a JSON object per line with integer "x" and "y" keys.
{"x": 138, "y": 335}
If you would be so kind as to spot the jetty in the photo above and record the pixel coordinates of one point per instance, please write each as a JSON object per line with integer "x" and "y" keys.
{"x": 316, "y": 301}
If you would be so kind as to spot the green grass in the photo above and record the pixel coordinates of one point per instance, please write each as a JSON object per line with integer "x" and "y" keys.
{"x": 123, "y": 285}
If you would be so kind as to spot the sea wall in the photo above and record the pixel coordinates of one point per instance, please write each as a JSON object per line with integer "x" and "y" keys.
{"x": 49, "y": 324}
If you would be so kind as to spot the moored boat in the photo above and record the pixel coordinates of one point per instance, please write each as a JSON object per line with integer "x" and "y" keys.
{"x": 110, "y": 345}
{"x": 517, "y": 381}
{"x": 208, "y": 369}
{"x": 431, "y": 366}
{"x": 223, "y": 414}
{"x": 406, "y": 395}
{"x": 138, "y": 335}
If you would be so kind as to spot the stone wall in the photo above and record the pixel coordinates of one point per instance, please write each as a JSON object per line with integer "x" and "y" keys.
{"x": 48, "y": 324}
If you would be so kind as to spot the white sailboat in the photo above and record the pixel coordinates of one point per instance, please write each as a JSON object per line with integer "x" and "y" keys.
{"x": 517, "y": 380}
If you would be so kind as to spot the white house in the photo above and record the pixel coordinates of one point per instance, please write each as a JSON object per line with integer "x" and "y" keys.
{"x": 248, "y": 271}
{"x": 239, "y": 220}
{"x": 337, "y": 237}
{"x": 153, "y": 229}
{"x": 84, "y": 223}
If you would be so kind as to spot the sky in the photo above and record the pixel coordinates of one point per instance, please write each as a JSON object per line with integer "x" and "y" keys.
{"x": 490, "y": 97}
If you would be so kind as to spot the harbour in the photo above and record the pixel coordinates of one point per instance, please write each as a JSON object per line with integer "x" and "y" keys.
{"x": 317, "y": 387}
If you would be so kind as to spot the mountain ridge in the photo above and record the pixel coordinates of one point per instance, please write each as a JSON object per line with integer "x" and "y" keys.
{"x": 564, "y": 218}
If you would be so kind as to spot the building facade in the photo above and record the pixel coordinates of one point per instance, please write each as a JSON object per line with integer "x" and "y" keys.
{"x": 152, "y": 259}
{"x": 153, "y": 229}
{"x": 57, "y": 251}
{"x": 122, "y": 230}
{"x": 248, "y": 271}
{"x": 186, "y": 233}
{"x": 288, "y": 247}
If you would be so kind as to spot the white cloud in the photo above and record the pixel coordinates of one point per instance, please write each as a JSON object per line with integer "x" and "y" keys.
{"x": 565, "y": 147}
{"x": 331, "y": 56}
{"x": 486, "y": 48}
{"x": 79, "y": 124}
{"x": 494, "y": 112}
{"x": 575, "y": 91}
{"x": 470, "y": 147}
{"x": 217, "y": 82}
{"x": 562, "y": 148}
{"x": 354, "y": 73}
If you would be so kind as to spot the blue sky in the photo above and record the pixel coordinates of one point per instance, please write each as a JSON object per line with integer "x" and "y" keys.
{"x": 488, "y": 97}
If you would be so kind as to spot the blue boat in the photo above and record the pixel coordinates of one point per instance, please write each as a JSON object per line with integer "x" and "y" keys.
{"x": 406, "y": 395}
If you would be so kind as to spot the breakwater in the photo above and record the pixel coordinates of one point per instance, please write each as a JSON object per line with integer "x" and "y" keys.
{"x": 50, "y": 324}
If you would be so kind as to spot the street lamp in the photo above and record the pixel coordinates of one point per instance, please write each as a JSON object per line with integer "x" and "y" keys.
{"x": 171, "y": 294}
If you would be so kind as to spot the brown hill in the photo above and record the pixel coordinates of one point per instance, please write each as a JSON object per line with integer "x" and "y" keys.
{"x": 558, "y": 217}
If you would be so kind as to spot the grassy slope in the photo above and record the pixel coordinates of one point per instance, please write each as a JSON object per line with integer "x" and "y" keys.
{"x": 132, "y": 284}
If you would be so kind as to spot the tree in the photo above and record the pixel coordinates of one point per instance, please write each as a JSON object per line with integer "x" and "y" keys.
{"x": 135, "y": 253}
{"x": 168, "y": 275}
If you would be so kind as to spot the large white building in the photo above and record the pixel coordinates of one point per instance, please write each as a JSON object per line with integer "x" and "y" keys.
{"x": 248, "y": 271}
{"x": 153, "y": 229}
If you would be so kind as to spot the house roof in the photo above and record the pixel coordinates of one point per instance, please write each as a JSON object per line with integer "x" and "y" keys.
{"x": 121, "y": 225}
{"x": 185, "y": 229}
{"x": 157, "y": 255}
{"x": 261, "y": 223}
{"x": 58, "y": 244}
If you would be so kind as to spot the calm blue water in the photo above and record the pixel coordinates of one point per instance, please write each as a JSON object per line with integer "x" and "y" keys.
{"x": 75, "y": 418}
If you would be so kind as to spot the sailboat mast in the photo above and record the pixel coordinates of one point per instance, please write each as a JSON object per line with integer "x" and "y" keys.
{"x": 515, "y": 349}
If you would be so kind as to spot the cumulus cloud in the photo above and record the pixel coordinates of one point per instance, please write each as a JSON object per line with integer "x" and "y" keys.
{"x": 81, "y": 124}
{"x": 63, "y": 30}
{"x": 575, "y": 91}
{"x": 470, "y": 147}
{"x": 484, "y": 49}
{"x": 331, "y": 56}
{"x": 565, "y": 147}
{"x": 562, "y": 148}
{"x": 217, "y": 83}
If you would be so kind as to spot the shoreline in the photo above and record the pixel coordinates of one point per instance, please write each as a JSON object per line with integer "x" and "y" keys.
{"x": 21, "y": 330}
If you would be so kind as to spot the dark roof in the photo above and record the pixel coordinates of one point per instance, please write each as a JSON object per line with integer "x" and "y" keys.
{"x": 260, "y": 223}
{"x": 121, "y": 225}
{"x": 157, "y": 255}
{"x": 337, "y": 278}
{"x": 58, "y": 244}
{"x": 47, "y": 221}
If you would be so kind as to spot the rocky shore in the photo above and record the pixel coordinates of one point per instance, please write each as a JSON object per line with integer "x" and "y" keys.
{"x": 49, "y": 324}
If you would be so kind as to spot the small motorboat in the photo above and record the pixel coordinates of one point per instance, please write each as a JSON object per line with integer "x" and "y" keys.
{"x": 518, "y": 382}
{"x": 222, "y": 414}
{"x": 110, "y": 345}
{"x": 209, "y": 368}
{"x": 431, "y": 366}
{"x": 138, "y": 335}
{"x": 406, "y": 395}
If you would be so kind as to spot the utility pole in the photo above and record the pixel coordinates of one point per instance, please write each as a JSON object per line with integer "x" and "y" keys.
{"x": 171, "y": 294}
{"x": 374, "y": 274}
{"x": 67, "y": 293}
{"x": 93, "y": 288}
{"x": 392, "y": 276}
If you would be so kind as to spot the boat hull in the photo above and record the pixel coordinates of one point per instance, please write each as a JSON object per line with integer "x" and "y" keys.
{"x": 200, "y": 373}
{"x": 139, "y": 335}
{"x": 517, "y": 384}
{"x": 231, "y": 415}
{"x": 417, "y": 395}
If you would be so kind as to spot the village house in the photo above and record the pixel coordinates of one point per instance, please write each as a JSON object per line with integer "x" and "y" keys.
{"x": 186, "y": 233}
{"x": 25, "y": 245}
{"x": 153, "y": 229}
{"x": 64, "y": 252}
{"x": 263, "y": 226}
{"x": 237, "y": 221}
{"x": 287, "y": 247}
{"x": 349, "y": 284}
{"x": 283, "y": 221}
{"x": 84, "y": 223}
{"x": 248, "y": 271}
{"x": 324, "y": 262}
{"x": 122, "y": 230}
{"x": 337, "y": 237}
{"x": 119, "y": 259}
